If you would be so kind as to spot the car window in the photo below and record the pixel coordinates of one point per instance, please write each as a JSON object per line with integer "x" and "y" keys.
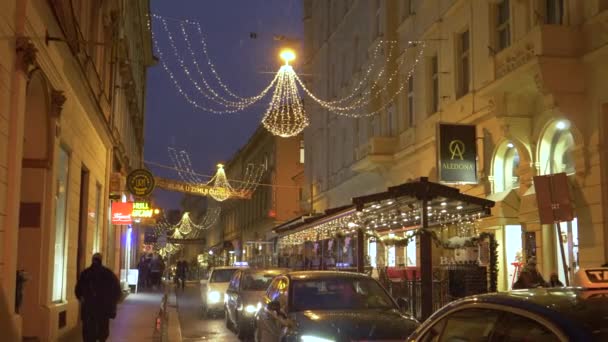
{"x": 517, "y": 328}
{"x": 273, "y": 292}
{"x": 469, "y": 325}
{"x": 256, "y": 281}
{"x": 339, "y": 293}
{"x": 434, "y": 333}
{"x": 222, "y": 276}
{"x": 283, "y": 287}
{"x": 234, "y": 282}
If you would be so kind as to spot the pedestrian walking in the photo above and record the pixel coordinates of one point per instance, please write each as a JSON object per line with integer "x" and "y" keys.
{"x": 182, "y": 269}
{"x": 530, "y": 277}
{"x": 156, "y": 271}
{"x": 98, "y": 291}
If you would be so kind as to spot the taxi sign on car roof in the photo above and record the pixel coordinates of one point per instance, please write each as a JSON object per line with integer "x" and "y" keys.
{"x": 592, "y": 278}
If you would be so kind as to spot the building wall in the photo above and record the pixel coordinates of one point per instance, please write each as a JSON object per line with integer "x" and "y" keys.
{"x": 251, "y": 220}
{"x": 54, "y": 96}
{"x": 517, "y": 95}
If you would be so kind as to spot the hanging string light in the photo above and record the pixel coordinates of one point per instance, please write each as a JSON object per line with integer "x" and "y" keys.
{"x": 285, "y": 115}
{"x": 221, "y": 188}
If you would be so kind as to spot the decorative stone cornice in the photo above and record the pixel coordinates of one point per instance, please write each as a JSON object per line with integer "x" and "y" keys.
{"x": 26, "y": 54}
{"x": 57, "y": 101}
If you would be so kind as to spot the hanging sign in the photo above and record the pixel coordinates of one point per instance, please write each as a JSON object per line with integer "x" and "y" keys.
{"x": 140, "y": 183}
{"x": 198, "y": 189}
{"x": 121, "y": 212}
{"x": 457, "y": 153}
{"x": 553, "y": 198}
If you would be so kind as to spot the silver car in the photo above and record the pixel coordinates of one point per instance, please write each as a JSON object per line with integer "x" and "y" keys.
{"x": 244, "y": 298}
{"x": 214, "y": 287}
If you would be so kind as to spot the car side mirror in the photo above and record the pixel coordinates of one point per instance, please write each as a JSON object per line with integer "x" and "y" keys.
{"x": 274, "y": 306}
{"x": 404, "y": 304}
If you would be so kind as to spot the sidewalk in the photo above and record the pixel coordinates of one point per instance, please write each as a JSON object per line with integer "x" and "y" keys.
{"x": 135, "y": 319}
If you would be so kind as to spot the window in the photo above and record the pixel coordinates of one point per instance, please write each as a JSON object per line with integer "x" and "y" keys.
{"x": 378, "y": 18}
{"x": 61, "y": 202}
{"x": 302, "y": 151}
{"x": 463, "y": 64}
{"x": 407, "y": 8}
{"x": 391, "y": 126}
{"x": 434, "y": 82}
{"x": 554, "y": 12}
{"x": 503, "y": 17}
{"x": 506, "y": 166}
{"x": 514, "y": 327}
{"x": 469, "y": 325}
{"x": 410, "y": 101}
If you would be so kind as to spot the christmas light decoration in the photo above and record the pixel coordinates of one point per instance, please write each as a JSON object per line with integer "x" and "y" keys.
{"x": 252, "y": 176}
{"x": 285, "y": 115}
{"x": 222, "y": 189}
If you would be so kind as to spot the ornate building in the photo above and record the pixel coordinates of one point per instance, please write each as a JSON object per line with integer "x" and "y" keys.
{"x": 247, "y": 224}
{"x": 530, "y": 75}
{"x": 72, "y": 85}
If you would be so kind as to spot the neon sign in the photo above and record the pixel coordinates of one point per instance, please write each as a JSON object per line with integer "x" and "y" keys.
{"x": 143, "y": 210}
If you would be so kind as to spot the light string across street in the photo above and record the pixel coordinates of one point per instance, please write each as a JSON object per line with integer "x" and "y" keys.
{"x": 285, "y": 115}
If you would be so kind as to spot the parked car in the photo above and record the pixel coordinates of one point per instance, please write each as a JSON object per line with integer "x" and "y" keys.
{"x": 214, "y": 287}
{"x": 244, "y": 298}
{"x": 540, "y": 314}
{"x": 325, "y": 306}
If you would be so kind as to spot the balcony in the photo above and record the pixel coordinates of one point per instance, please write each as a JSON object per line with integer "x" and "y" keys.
{"x": 376, "y": 153}
{"x": 541, "y": 61}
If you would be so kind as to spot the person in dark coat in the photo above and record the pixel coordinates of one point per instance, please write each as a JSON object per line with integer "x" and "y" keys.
{"x": 554, "y": 281}
{"x": 98, "y": 291}
{"x": 530, "y": 277}
{"x": 181, "y": 270}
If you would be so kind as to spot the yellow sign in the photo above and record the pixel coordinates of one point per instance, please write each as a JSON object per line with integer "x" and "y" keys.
{"x": 143, "y": 210}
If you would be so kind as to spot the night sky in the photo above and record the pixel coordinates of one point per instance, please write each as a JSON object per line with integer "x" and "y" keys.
{"x": 243, "y": 64}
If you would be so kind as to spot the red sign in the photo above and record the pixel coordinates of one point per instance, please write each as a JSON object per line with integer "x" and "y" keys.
{"x": 553, "y": 198}
{"x": 121, "y": 212}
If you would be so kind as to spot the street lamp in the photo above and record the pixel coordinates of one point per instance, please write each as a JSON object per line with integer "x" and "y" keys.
{"x": 287, "y": 55}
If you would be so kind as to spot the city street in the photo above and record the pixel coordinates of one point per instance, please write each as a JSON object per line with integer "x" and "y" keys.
{"x": 193, "y": 326}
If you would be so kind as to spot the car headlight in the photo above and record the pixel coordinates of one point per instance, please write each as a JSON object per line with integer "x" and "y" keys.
{"x": 214, "y": 297}
{"x": 251, "y": 309}
{"x": 311, "y": 338}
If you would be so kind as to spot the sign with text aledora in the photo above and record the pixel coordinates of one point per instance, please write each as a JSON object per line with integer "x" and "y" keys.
{"x": 140, "y": 182}
{"x": 457, "y": 153}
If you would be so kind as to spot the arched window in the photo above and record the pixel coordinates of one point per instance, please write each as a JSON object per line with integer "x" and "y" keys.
{"x": 555, "y": 152}
{"x": 505, "y": 167}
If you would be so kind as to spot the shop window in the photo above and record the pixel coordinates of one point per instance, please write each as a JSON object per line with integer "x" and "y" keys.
{"x": 392, "y": 256}
{"x": 505, "y": 168}
{"x": 372, "y": 252}
{"x": 513, "y": 253}
{"x": 61, "y": 202}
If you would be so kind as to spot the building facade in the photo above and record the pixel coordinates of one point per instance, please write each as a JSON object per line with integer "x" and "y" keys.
{"x": 247, "y": 223}
{"x": 72, "y": 83}
{"x": 530, "y": 75}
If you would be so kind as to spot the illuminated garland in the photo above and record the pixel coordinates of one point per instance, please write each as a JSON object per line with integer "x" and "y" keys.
{"x": 285, "y": 116}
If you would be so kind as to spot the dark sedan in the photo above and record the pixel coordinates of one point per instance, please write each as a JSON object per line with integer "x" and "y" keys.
{"x": 244, "y": 297}
{"x": 325, "y": 306}
{"x": 539, "y": 315}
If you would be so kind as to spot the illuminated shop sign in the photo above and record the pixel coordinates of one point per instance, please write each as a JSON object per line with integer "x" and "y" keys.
{"x": 121, "y": 212}
{"x": 457, "y": 153}
{"x": 143, "y": 210}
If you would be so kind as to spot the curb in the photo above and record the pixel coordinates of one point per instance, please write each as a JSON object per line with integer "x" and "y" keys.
{"x": 174, "y": 332}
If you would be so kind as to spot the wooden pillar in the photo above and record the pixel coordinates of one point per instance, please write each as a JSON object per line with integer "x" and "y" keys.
{"x": 360, "y": 251}
{"x": 426, "y": 265}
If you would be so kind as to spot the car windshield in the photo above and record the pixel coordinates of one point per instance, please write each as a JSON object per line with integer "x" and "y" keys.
{"x": 222, "y": 276}
{"x": 257, "y": 281}
{"x": 339, "y": 294}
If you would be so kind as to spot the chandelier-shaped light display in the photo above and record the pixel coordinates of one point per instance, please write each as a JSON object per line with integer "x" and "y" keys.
{"x": 285, "y": 116}
{"x": 222, "y": 189}
{"x": 383, "y": 76}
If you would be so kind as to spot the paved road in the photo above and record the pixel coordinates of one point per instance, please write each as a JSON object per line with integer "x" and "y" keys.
{"x": 193, "y": 326}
